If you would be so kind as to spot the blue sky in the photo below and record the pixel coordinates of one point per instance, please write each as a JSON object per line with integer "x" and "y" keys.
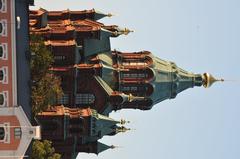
{"x": 200, "y": 36}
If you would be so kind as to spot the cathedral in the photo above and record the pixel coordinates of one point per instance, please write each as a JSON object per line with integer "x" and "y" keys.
{"x": 97, "y": 80}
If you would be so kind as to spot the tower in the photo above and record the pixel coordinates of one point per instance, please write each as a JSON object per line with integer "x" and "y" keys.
{"x": 74, "y": 130}
{"x": 94, "y": 75}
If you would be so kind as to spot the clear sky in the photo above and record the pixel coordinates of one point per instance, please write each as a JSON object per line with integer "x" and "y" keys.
{"x": 200, "y": 36}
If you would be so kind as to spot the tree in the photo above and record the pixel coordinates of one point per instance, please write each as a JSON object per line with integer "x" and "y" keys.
{"x": 46, "y": 87}
{"x": 41, "y": 57}
{"x": 45, "y": 93}
{"x": 44, "y": 150}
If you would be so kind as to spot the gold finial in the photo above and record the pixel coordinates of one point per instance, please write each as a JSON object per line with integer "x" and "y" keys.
{"x": 113, "y": 147}
{"x": 126, "y": 31}
{"x": 109, "y": 15}
{"x": 130, "y": 97}
{"x": 134, "y": 98}
{"x": 208, "y": 80}
{"x": 122, "y": 129}
{"x": 123, "y": 122}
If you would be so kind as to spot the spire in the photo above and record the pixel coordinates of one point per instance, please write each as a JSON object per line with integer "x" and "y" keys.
{"x": 122, "y": 129}
{"x": 99, "y": 15}
{"x": 103, "y": 147}
{"x": 171, "y": 80}
{"x": 102, "y": 125}
{"x": 124, "y": 31}
{"x": 208, "y": 80}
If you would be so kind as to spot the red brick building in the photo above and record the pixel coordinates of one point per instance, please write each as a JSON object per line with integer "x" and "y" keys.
{"x": 95, "y": 76}
{"x": 74, "y": 130}
{"x": 8, "y": 75}
{"x": 16, "y": 132}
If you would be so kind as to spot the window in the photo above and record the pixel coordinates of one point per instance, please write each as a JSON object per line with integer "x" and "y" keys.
{"x": 85, "y": 98}
{"x": 134, "y": 75}
{"x": 3, "y": 6}
{"x": 1, "y": 75}
{"x": 3, "y": 51}
{"x": 129, "y": 88}
{"x": 64, "y": 99}
{"x": 4, "y": 75}
{"x": 133, "y": 63}
{"x": 3, "y": 98}
{"x": 17, "y": 133}
{"x": 61, "y": 58}
{"x": 3, "y": 27}
{"x": 2, "y": 133}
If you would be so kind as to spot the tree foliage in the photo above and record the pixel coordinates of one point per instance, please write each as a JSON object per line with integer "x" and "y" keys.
{"x": 44, "y": 150}
{"x": 46, "y": 87}
{"x": 41, "y": 57}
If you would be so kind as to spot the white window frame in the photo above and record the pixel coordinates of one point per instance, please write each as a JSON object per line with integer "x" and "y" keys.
{"x": 5, "y": 98}
{"x": 4, "y": 6}
{"x": 4, "y": 31}
{"x": 5, "y": 75}
{"x": 6, "y": 126}
{"x": 5, "y": 51}
{"x": 17, "y": 133}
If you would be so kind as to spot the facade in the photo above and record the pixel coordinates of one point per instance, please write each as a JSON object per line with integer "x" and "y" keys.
{"x": 74, "y": 130}
{"x": 16, "y": 132}
{"x": 8, "y": 83}
{"x": 94, "y": 75}
{"x": 97, "y": 80}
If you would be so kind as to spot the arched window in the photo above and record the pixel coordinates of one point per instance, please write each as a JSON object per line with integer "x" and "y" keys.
{"x": 3, "y": 27}
{"x": 3, "y": 6}
{"x": 4, "y": 75}
{"x": 2, "y": 133}
{"x": 1, "y": 75}
{"x": 1, "y": 99}
{"x": 85, "y": 98}
{"x": 1, "y": 51}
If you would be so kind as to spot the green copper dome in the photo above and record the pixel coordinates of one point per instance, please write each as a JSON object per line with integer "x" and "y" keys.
{"x": 169, "y": 80}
